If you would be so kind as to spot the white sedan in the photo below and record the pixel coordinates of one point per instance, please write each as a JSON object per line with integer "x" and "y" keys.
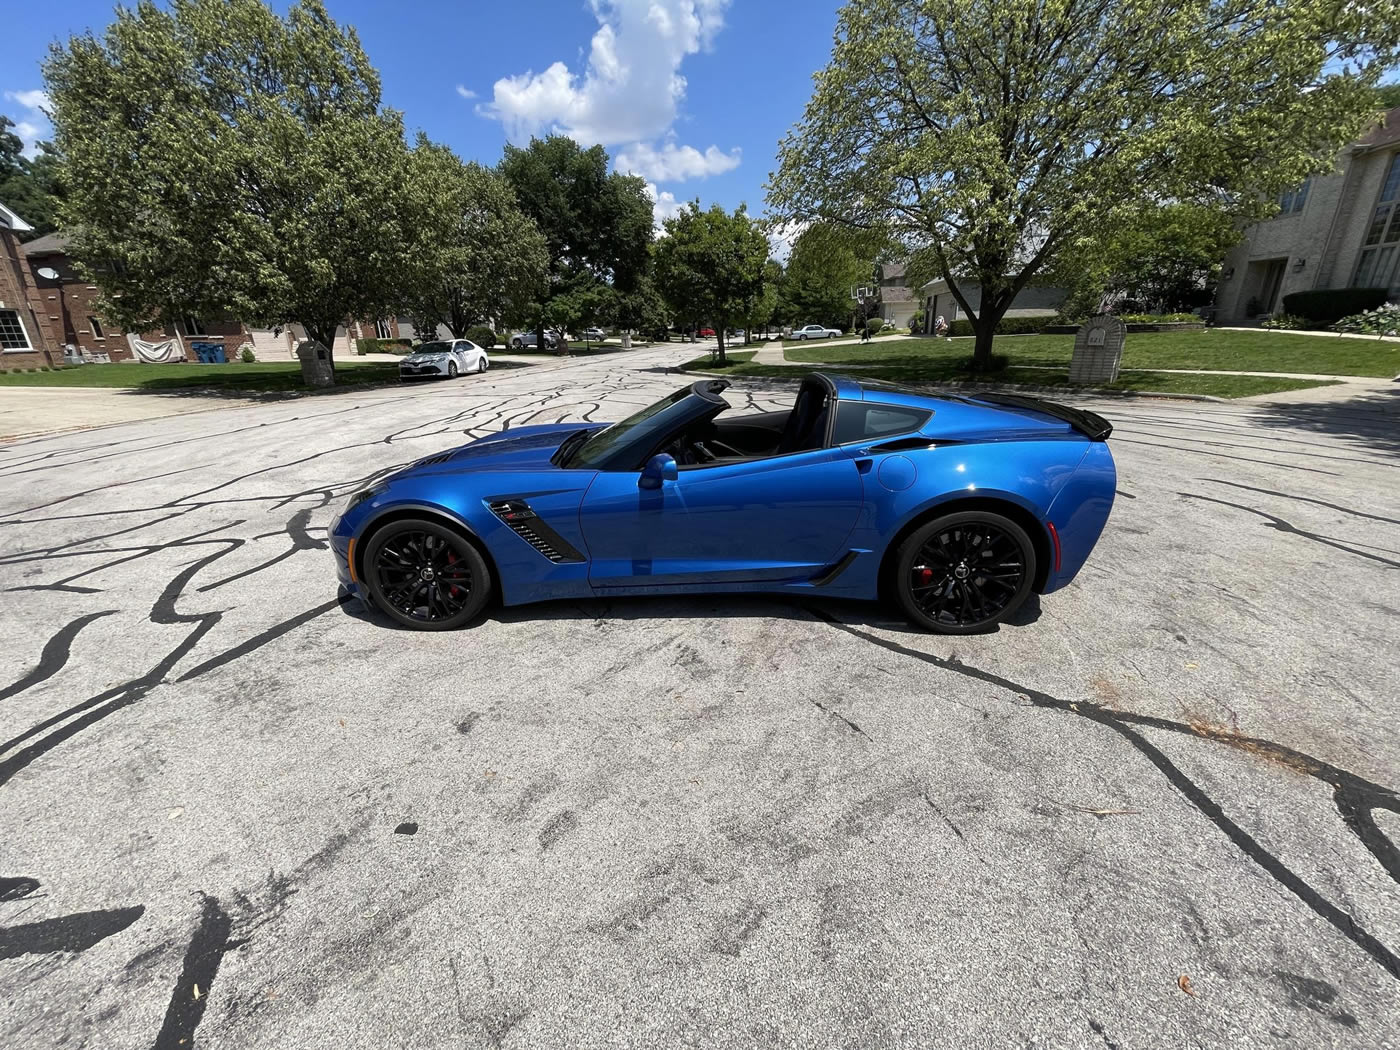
{"x": 815, "y": 331}
{"x": 444, "y": 357}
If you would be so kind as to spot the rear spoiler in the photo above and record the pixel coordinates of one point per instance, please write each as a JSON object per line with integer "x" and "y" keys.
{"x": 1092, "y": 425}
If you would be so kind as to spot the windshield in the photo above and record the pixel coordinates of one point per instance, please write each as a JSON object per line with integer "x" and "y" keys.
{"x": 433, "y": 348}
{"x": 652, "y": 419}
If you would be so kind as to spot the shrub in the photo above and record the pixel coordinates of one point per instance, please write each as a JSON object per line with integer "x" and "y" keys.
{"x": 1385, "y": 320}
{"x": 247, "y": 356}
{"x": 482, "y": 336}
{"x": 1288, "y": 322}
{"x": 1159, "y": 318}
{"x": 1008, "y": 325}
{"x": 1325, "y": 305}
{"x": 874, "y": 326}
{"x": 916, "y": 323}
{"x": 383, "y": 346}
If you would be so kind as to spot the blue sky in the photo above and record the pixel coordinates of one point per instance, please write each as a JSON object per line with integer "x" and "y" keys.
{"x": 691, "y": 94}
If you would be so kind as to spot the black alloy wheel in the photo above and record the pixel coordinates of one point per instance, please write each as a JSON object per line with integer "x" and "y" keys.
{"x": 965, "y": 572}
{"x": 425, "y": 575}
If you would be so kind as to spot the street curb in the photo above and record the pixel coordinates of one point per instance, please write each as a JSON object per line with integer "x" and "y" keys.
{"x": 1020, "y": 387}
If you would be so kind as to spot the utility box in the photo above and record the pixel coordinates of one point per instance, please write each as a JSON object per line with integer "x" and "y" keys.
{"x": 1098, "y": 351}
{"x": 315, "y": 361}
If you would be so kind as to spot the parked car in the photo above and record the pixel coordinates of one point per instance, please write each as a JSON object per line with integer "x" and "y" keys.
{"x": 706, "y": 333}
{"x": 443, "y": 357}
{"x": 593, "y": 335}
{"x": 962, "y": 505}
{"x": 521, "y": 340}
{"x": 815, "y": 331}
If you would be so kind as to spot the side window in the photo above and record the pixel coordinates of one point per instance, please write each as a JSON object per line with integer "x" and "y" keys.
{"x": 863, "y": 421}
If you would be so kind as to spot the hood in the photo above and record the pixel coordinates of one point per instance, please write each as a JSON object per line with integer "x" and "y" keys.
{"x": 522, "y": 448}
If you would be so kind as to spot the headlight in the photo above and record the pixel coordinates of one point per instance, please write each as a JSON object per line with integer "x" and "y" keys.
{"x": 361, "y": 496}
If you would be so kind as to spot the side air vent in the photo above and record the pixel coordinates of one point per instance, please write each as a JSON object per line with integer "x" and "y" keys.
{"x": 441, "y": 457}
{"x": 528, "y": 525}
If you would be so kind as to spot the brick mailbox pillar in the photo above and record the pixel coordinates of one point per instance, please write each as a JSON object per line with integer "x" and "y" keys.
{"x": 1098, "y": 350}
{"x": 315, "y": 364}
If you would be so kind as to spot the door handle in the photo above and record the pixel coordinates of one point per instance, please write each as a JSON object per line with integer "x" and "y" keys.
{"x": 863, "y": 465}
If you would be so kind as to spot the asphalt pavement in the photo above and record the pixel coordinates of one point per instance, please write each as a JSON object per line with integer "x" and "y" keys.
{"x": 1156, "y": 811}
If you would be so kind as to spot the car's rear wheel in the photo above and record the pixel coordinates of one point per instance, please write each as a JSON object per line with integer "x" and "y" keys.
{"x": 425, "y": 575}
{"x": 964, "y": 572}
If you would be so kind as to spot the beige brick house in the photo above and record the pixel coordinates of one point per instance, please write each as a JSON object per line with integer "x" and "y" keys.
{"x": 1340, "y": 230}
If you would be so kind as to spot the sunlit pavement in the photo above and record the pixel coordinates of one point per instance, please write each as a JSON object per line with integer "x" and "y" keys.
{"x": 1155, "y": 811}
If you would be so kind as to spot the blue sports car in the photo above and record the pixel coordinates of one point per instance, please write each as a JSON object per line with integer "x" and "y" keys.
{"x": 958, "y": 506}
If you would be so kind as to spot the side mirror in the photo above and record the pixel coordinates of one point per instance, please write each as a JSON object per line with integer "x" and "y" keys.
{"x": 660, "y": 468}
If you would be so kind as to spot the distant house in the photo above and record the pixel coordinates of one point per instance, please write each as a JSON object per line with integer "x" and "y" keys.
{"x": 27, "y": 338}
{"x": 1032, "y": 301}
{"x": 896, "y": 301}
{"x": 1340, "y": 230}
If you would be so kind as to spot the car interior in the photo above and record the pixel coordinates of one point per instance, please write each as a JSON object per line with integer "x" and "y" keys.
{"x": 758, "y": 435}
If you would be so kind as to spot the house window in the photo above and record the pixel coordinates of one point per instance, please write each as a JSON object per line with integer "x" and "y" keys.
{"x": 1375, "y": 267}
{"x": 381, "y": 330}
{"x": 96, "y": 326}
{"x": 193, "y": 326}
{"x": 1292, "y": 202}
{"x": 12, "y": 334}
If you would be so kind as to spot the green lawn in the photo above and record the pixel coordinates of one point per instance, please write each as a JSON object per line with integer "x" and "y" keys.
{"x": 950, "y": 369}
{"x": 1238, "y": 351}
{"x": 259, "y": 376}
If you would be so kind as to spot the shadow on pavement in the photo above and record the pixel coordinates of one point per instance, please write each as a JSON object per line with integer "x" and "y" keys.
{"x": 883, "y": 615}
{"x": 1372, "y": 416}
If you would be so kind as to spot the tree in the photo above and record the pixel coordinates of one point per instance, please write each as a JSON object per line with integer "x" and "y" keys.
{"x": 759, "y": 311}
{"x": 709, "y": 264}
{"x": 1167, "y": 255}
{"x": 596, "y": 225}
{"x": 28, "y": 185}
{"x": 475, "y": 255}
{"x": 640, "y": 310}
{"x": 222, "y": 160}
{"x": 824, "y": 266}
{"x": 986, "y": 137}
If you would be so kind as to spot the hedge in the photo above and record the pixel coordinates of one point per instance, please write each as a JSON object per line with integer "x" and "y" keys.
{"x": 1322, "y": 306}
{"x": 482, "y": 336}
{"x": 383, "y": 346}
{"x": 1007, "y": 325}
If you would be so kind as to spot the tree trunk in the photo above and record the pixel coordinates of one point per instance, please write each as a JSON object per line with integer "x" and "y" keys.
{"x": 721, "y": 361}
{"x": 627, "y": 339}
{"x": 984, "y": 327}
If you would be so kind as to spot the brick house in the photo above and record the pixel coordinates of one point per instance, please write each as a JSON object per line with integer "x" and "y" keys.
{"x": 27, "y": 337}
{"x": 69, "y": 301}
{"x": 1339, "y": 230}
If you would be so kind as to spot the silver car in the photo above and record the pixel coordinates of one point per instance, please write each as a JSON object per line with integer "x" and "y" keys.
{"x": 815, "y": 331}
{"x": 443, "y": 357}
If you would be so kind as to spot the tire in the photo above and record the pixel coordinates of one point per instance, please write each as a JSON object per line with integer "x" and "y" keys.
{"x": 452, "y": 370}
{"x": 803, "y": 337}
{"x": 485, "y": 364}
{"x": 516, "y": 344}
{"x": 937, "y": 579}
{"x": 458, "y": 582}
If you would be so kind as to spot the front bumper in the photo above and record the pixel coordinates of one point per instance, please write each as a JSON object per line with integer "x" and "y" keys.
{"x": 422, "y": 371}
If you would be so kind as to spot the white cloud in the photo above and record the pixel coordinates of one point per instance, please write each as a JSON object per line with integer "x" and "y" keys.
{"x": 674, "y": 163}
{"x": 465, "y": 92}
{"x": 35, "y": 125}
{"x": 663, "y": 204}
{"x": 631, "y": 86}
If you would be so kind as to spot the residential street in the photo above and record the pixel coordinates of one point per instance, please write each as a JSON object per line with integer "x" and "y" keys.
{"x": 1158, "y": 810}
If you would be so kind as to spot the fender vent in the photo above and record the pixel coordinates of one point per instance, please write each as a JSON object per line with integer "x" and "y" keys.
{"x": 531, "y": 528}
{"x": 441, "y": 457}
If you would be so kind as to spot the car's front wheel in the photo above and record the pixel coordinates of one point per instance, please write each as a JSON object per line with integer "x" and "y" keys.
{"x": 483, "y": 365}
{"x": 425, "y": 575}
{"x": 964, "y": 572}
{"x": 452, "y": 370}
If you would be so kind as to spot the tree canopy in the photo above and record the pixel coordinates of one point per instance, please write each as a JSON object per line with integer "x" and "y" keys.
{"x": 825, "y": 264}
{"x": 476, "y": 257}
{"x": 28, "y": 185}
{"x": 596, "y": 225}
{"x": 220, "y": 158}
{"x": 986, "y": 135}
{"x": 710, "y": 265}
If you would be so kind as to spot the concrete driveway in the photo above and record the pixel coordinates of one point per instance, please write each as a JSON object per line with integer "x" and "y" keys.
{"x": 1157, "y": 811}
